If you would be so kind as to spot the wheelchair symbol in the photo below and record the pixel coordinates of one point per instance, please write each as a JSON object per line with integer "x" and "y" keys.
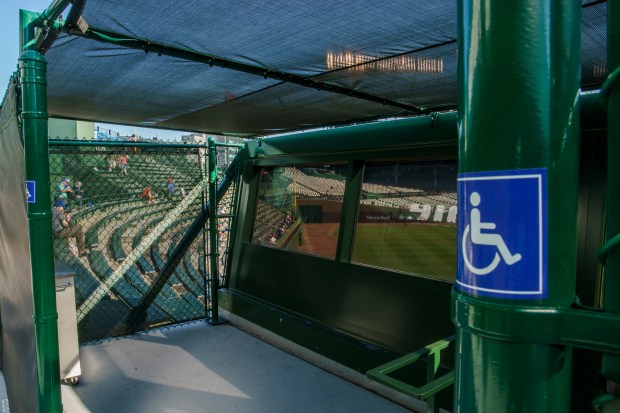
{"x": 30, "y": 192}
{"x": 474, "y": 230}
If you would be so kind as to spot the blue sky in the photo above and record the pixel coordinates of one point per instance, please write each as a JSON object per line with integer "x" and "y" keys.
{"x": 9, "y": 45}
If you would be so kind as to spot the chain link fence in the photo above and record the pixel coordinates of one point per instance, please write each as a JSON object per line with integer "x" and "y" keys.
{"x": 119, "y": 212}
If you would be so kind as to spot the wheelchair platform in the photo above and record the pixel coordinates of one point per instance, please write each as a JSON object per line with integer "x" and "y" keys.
{"x": 202, "y": 368}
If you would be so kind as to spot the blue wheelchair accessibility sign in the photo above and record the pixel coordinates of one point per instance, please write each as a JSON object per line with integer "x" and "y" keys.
{"x": 502, "y": 234}
{"x": 30, "y": 192}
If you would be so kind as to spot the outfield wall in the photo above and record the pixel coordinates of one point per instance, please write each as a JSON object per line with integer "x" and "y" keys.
{"x": 330, "y": 210}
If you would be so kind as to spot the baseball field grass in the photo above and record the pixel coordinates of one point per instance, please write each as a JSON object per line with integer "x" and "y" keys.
{"x": 421, "y": 248}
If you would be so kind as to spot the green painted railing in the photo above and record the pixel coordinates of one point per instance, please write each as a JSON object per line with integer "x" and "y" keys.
{"x": 431, "y": 355}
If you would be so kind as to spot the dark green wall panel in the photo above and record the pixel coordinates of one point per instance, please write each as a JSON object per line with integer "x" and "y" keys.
{"x": 397, "y": 311}
{"x": 297, "y": 282}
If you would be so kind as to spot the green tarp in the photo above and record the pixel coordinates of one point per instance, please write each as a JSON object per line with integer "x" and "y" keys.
{"x": 16, "y": 305}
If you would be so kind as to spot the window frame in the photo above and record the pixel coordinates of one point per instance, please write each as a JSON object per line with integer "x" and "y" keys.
{"x": 436, "y": 151}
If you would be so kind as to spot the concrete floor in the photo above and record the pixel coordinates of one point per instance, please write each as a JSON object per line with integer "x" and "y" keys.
{"x": 4, "y": 401}
{"x": 200, "y": 368}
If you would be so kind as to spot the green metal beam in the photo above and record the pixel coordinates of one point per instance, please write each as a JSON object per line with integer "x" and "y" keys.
{"x": 348, "y": 219}
{"x": 53, "y": 11}
{"x": 229, "y": 145}
{"x": 247, "y": 191}
{"x": 234, "y": 212}
{"x": 405, "y": 133}
{"x": 125, "y": 144}
{"x": 33, "y": 81}
{"x": 48, "y": 32}
{"x": 611, "y": 95}
{"x": 213, "y": 245}
{"x": 416, "y": 131}
{"x": 39, "y": 30}
{"x": 518, "y": 77}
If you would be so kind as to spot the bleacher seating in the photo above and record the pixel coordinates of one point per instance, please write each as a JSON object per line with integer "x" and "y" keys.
{"x": 313, "y": 186}
{"x": 117, "y": 249}
{"x": 187, "y": 279}
{"x": 121, "y": 289}
{"x": 115, "y": 220}
{"x": 192, "y": 304}
{"x": 267, "y": 221}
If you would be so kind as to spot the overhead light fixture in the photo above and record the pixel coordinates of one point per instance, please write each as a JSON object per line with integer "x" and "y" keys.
{"x": 599, "y": 70}
{"x": 362, "y": 62}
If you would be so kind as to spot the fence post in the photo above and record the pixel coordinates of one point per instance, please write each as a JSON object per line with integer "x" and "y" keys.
{"x": 33, "y": 81}
{"x": 213, "y": 249}
{"x": 202, "y": 159}
{"x": 518, "y": 78}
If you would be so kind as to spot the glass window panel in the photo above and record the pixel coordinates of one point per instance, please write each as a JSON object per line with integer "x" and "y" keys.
{"x": 407, "y": 218}
{"x": 298, "y": 208}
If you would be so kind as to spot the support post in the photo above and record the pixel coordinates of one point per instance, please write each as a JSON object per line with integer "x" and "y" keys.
{"x": 519, "y": 66}
{"x": 213, "y": 249}
{"x": 611, "y": 294}
{"x": 27, "y": 21}
{"x": 202, "y": 160}
{"x": 33, "y": 81}
{"x": 348, "y": 218}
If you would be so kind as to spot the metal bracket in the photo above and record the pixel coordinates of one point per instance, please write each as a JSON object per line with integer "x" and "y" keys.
{"x": 609, "y": 84}
{"x": 592, "y": 330}
{"x": 608, "y": 246}
{"x": 217, "y": 321}
{"x": 434, "y": 117}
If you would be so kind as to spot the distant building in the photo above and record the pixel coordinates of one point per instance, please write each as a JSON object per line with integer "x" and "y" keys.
{"x": 70, "y": 129}
{"x": 202, "y": 138}
{"x": 194, "y": 138}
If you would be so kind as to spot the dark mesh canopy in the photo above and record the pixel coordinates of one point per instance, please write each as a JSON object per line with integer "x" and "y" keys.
{"x": 385, "y": 59}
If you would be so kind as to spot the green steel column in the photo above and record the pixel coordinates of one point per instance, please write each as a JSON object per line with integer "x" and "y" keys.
{"x": 202, "y": 160}
{"x": 32, "y": 67}
{"x": 215, "y": 318}
{"x": 352, "y": 189}
{"x": 26, "y": 25}
{"x": 611, "y": 297}
{"x": 519, "y": 65}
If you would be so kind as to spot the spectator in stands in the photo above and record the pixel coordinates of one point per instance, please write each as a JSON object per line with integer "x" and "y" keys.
{"x": 111, "y": 162}
{"x": 64, "y": 227}
{"x": 123, "y": 165}
{"x": 170, "y": 186}
{"x": 221, "y": 232}
{"x": 224, "y": 232}
{"x": 63, "y": 189}
{"x": 148, "y": 195}
{"x": 78, "y": 193}
{"x": 182, "y": 192}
